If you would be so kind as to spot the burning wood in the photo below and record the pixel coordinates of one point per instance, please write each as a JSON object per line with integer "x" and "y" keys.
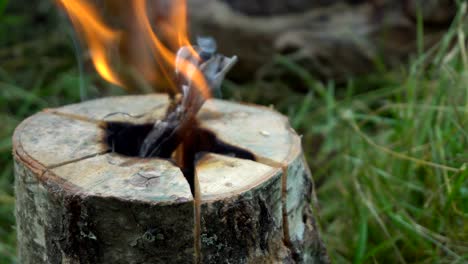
{"x": 240, "y": 210}
{"x": 197, "y": 70}
{"x": 180, "y": 119}
{"x": 247, "y": 200}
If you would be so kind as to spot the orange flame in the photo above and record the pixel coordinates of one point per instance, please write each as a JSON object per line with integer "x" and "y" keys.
{"x": 163, "y": 45}
{"x": 97, "y": 35}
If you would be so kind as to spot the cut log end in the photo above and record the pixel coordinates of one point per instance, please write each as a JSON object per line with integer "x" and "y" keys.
{"x": 78, "y": 201}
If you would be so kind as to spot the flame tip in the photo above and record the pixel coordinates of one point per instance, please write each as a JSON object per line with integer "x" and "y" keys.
{"x": 101, "y": 39}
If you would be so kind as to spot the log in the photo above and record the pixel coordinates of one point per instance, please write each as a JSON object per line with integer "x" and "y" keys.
{"x": 333, "y": 39}
{"x": 81, "y": 201}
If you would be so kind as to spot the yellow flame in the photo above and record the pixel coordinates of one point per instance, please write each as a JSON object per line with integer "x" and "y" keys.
{"x": 178, "y": 18}
{"x": 186, "y": 67}
{"x": 172, "y": 36}
{"x": 97, "y": 35}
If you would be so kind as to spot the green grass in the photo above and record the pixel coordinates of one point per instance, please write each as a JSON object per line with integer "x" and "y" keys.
{"x": 389, "y": 151}
{"x": 389, "y": 154}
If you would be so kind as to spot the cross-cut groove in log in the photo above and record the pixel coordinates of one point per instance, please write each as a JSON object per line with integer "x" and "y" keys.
{"x": 127, "y": 139}
{"x": 112, "y": 208}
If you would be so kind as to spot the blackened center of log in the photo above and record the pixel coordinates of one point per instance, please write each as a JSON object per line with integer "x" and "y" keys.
{"x": 127, "y": 138}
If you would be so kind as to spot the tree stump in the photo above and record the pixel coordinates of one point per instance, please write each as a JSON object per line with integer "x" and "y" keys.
{"x": 79, "y": 201}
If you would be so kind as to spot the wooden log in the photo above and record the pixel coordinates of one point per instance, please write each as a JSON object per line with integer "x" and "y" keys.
{"x": 80, "y": 202}
{"x": 332, "y": 39}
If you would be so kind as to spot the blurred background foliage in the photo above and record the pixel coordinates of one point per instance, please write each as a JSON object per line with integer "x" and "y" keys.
{"x": 388, "y": 150}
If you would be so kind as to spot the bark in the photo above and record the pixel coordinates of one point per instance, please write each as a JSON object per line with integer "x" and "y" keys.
{"x": 79, "y": 202}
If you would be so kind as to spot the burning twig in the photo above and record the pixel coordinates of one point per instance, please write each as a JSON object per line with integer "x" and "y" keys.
{"x": 180, "y": 120}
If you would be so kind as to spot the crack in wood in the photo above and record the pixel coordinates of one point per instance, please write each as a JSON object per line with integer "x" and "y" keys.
{"x": 197, "y": 220}
{"x": 284, "y": 197}
{"x": 147, "y": 180}
{"x": 99, "y": 123}
{"x": 55, "y": 166}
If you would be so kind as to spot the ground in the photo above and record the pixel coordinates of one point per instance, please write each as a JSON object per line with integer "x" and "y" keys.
{"x": 389, "y": 150}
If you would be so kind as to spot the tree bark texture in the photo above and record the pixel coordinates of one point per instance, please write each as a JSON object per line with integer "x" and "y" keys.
{"x": 79, "y": 202}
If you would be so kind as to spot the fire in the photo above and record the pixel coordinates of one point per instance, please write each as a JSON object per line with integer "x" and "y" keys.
{"x": 156, "y": 60}
{"x": 97, "y": 35}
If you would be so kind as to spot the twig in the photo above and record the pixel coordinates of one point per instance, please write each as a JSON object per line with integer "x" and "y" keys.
{"x": 191, "y": 70}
